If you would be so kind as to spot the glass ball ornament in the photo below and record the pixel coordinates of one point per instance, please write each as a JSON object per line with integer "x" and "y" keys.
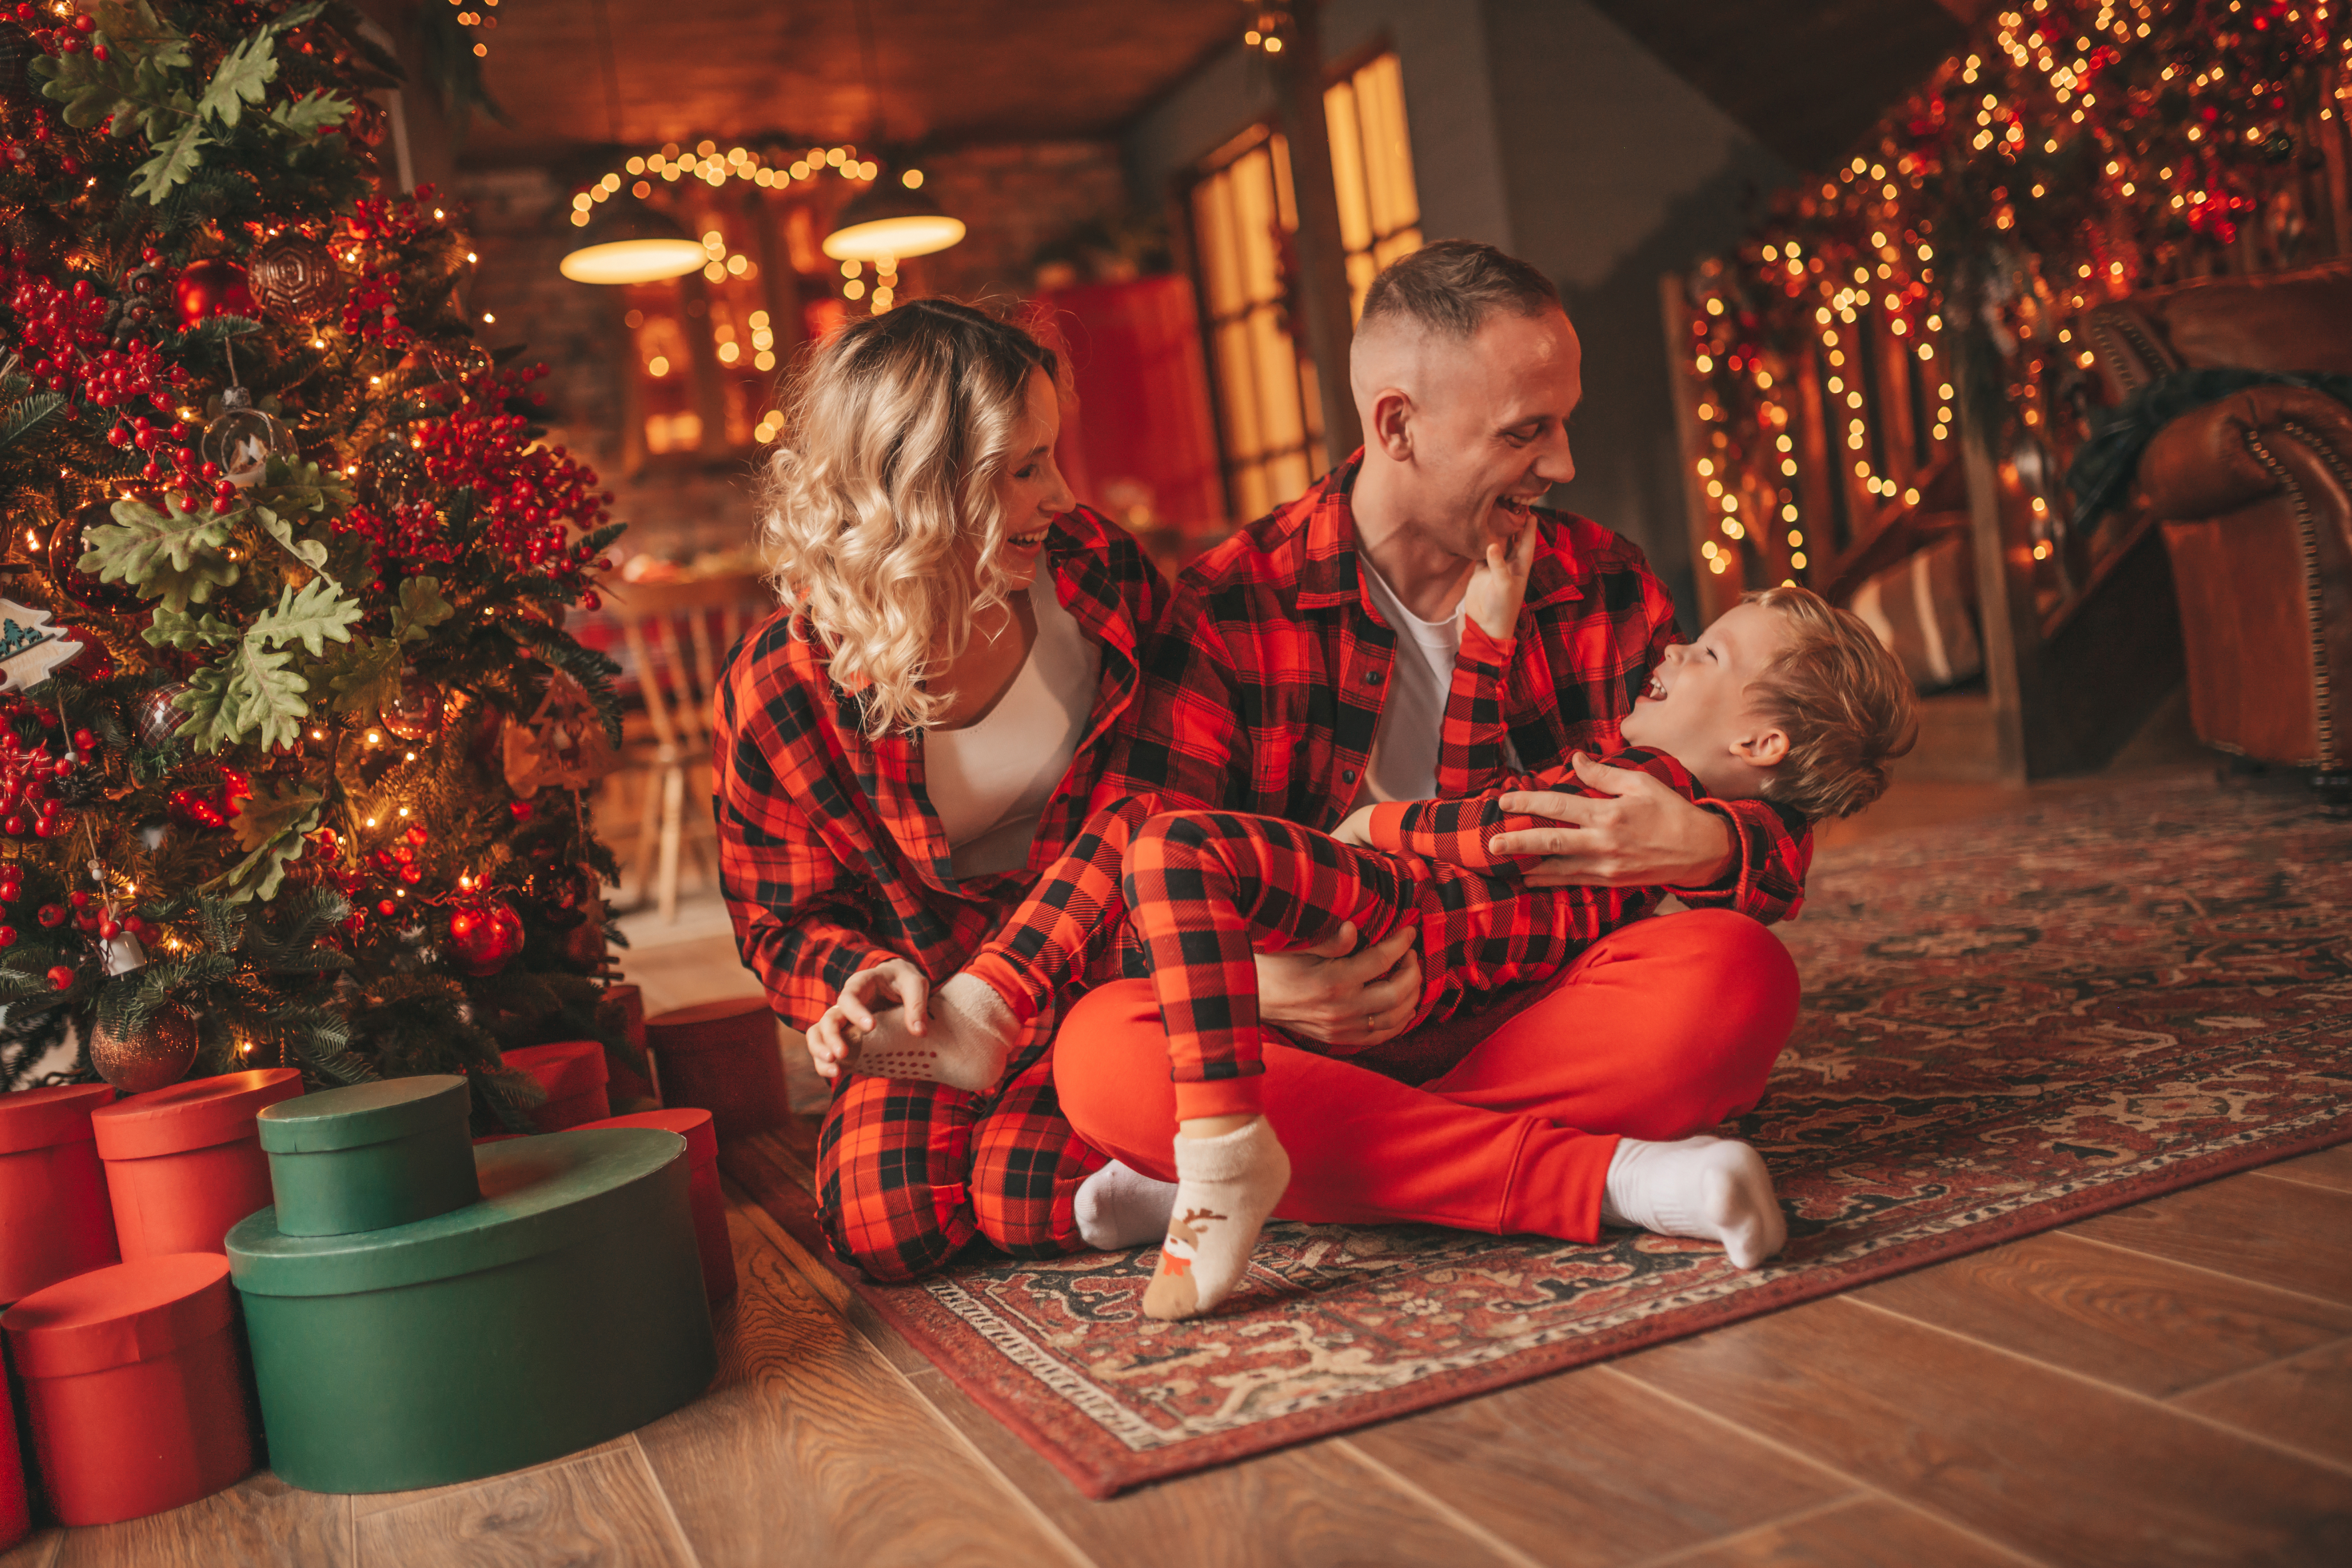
{"x": 160, "y": 715}
{"x": 485, "y": 937}
{"x": 415, "y": 714}
{"x": 157, "y": 1056}
{"x": 243, "y": 439}
{"x": 296, "y": 279}
{"x": 207, "y": 289}
{"x": 393, "y": 474}
{"x": 61, "y": 561}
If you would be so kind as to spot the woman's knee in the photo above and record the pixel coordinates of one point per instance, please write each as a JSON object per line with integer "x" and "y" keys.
{"x": 1027, "y": 1164}
{"x": 894, "y": 1163}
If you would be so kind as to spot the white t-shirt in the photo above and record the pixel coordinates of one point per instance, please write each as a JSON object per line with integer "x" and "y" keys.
{"x": 990, "y": 780}
{"x": 1403, "y": 763}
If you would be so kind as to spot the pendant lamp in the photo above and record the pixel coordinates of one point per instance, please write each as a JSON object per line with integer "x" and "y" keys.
{"x": 631, "y": 244}
{"x": 887, "y": 222}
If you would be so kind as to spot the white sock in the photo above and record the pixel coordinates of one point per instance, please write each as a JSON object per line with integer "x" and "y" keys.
{"x": 1226, "y": 1187}
{"x": 1711, "y": 1189}
{"x": 1117, "y": 1208}
{"x": 971, "y": 1033}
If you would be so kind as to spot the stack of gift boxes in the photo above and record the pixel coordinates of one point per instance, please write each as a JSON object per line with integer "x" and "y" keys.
{"x": 404, "y": 1306}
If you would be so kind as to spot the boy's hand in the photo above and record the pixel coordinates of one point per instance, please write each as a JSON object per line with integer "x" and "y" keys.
{"x": 1499, "y": 584}
{"x": 1357, "y": 830}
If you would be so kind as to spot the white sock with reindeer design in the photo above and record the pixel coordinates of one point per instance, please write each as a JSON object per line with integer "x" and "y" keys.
{"x": 1226, "y": 1187}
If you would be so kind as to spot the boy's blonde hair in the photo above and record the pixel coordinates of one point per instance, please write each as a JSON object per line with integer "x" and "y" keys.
{"x": 898, "y": 428}
{"x": 1843, "y": 700}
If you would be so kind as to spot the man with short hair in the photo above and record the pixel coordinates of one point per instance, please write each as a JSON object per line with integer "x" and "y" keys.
{"x": 1308, "y": 665}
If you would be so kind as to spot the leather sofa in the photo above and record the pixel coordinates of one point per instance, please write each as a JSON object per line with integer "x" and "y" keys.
{"x": 2254, "y": 496}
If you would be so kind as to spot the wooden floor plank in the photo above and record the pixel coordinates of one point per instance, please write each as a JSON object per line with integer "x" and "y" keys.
{"x": 1590, "y": 1468}
{"x": 1310, "y": 1504}
{"x": 810, "y": 1448}
{"x": 38, "y": 1549}
{"x": 2050, "y": 1464}
{"x": 600, "y": 1511}
{"x": 259, "y": 1520}
{"x": 1869, "y": 1532}
{"x": 2327, "y": 1168}
{"x": 2276, "y": 1232}
{"x": 2305, "y": 1403}
{"x": 2142, "y": 1322}
{"x": 366, "y": 1503}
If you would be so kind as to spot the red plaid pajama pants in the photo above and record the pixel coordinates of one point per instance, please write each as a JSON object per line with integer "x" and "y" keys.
{"x": 1206, "y": 890}
{"x": 908, "y": 1174}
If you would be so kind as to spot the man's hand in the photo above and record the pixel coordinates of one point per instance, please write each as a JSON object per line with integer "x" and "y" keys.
{"x": 1499, "y": 584}
{"x": 1642, "y": 834}
{"x": 1337, "y": 996}
{"x": 1357, "y": 830}
{"x": 833, "y": 1039}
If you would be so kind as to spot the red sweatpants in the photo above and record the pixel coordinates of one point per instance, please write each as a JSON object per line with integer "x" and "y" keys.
{"x": 1658, "y": 1030}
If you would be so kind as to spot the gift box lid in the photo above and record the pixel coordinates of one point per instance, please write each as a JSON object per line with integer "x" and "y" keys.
{"x": 365, "y": 1113}
{"x": 114, "y": 1316}
{"x": 564, "y": 1069}
{"x": 687, "y": 1029}
{"x": 688, "y": 1121}
{"x": 538, "y": 1195}
{"x": 197, "y": 1114}
{"x": 42, "y": 1118}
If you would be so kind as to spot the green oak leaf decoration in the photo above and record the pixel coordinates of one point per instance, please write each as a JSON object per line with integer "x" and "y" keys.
{"x": 178, "y": 557}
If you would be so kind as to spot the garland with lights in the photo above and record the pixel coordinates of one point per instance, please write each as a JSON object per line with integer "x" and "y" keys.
{"x": 293, "y": 741}
{"x": 2075, "y": 152}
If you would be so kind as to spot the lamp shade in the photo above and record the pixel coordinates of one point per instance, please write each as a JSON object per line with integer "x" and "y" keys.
{"x": 887, "y": 221}
{"x": 633, "y": 245}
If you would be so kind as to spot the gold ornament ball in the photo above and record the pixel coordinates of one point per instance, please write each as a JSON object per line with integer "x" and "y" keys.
{"x": 160, "y": 1054}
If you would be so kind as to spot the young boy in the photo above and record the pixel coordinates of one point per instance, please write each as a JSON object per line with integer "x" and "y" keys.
{"x": 1783, "y": 699}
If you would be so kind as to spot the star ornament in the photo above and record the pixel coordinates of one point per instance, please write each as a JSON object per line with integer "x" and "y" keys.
{"x": 30, "y": 648}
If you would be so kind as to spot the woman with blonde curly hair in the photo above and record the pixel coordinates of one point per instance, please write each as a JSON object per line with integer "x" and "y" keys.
{"x": 913, "y": 733}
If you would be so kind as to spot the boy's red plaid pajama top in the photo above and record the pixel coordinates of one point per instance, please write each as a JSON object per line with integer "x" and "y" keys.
{"x": 1206, "y": 890}
{"x": 1262, "y": 696}
{"x": 833, "y": 860}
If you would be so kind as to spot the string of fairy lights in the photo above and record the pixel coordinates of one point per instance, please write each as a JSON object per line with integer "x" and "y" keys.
{"x": 2077, "y": 151}
{"x": 476, "y": 13}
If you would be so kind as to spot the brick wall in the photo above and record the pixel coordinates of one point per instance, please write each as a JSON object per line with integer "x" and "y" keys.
{"x": 1013, "y": 198}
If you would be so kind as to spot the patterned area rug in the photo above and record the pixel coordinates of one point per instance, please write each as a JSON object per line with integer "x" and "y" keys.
{"x": 2008, "y": 1024}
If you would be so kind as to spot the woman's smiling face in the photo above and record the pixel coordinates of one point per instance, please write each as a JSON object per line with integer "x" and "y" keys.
{"x": 1032, "y": 492}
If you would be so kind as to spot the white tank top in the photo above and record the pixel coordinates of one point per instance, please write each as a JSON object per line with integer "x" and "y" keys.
{"x": 989, "y": 781}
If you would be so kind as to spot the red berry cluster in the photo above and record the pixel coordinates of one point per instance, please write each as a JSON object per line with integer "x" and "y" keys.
{"x": 27, "y": 773}
{"x": 66, "y": 344}
{"x": 67, "y": 37}
{"x": 387, "y": 224}
{"x": 526, "y": 494}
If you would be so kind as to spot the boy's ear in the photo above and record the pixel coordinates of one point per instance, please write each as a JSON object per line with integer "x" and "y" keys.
{"x": 1766, "y": 748}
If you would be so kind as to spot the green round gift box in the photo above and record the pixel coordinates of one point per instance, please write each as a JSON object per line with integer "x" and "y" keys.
{"x": 563, "y": 1309}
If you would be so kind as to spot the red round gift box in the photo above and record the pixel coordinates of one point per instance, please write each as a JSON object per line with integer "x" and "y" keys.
{"x": 573, "y": 1074}
{"x": 55, "y": 1221}
{"x": 723, "y": 1056}
{"x": 694, "y": 1125}
{"x": 185, "y": 1163}
{"x": 131, "y": 1377}
{"x": 16, "y": 1502}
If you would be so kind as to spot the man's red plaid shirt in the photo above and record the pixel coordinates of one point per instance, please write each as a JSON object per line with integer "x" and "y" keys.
{"x": 830, "y": 853}
{"x": 1264, "y": 692}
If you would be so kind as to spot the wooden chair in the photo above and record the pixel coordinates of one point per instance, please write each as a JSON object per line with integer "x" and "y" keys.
{"x": 677, "y": 634}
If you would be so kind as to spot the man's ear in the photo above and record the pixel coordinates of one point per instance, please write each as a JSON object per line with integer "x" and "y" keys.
{"x": 1763, "y": 748}
{"x": 1391, "y": 427}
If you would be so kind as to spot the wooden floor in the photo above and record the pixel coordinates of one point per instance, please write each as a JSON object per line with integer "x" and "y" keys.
{"x": 2165, "y": 1384}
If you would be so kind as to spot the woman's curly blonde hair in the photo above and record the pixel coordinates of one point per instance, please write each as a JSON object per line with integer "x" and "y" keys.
{"x": 898, "y": 430}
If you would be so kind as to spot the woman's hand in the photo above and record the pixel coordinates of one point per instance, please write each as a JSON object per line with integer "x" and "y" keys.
{"x": 1333, "y": 994}
{"x": 1357, "y": 830}
{"x": 1498, "y": 584}
{"x": 833, "y": 1039}
{"x": 1638, "y": 834}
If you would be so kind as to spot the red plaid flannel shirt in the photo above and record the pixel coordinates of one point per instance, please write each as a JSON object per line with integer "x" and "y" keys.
{"x": 1263, "y": 689}
{"x": 831, "y": 856}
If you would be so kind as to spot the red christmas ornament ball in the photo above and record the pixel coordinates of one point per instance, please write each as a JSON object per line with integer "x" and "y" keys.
{"x": 484, "y": 938}
{"x": 207, "y": 289}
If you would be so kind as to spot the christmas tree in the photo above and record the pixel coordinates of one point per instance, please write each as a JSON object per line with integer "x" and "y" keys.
{"x": 293, "y": 740}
